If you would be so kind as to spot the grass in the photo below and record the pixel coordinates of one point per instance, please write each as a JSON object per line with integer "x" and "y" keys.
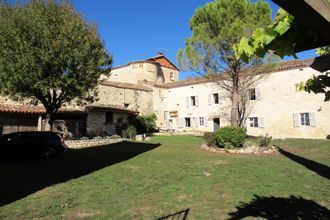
{"x": 167, "y": 175}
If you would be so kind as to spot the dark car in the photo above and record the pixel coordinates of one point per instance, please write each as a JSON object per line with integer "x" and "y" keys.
{"x": 31, "y": 143}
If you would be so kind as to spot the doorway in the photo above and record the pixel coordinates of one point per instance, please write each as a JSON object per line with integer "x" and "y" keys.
{"x": 216, "y": 124}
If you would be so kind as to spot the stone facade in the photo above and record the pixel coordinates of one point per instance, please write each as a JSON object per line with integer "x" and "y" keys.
{"x": 200, "y": 105}
{"x": 136, "y": 99}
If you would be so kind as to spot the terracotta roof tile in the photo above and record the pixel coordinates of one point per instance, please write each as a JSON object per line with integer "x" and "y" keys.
{"x": 160, "y": 59}
{"x": 319, "y": 63}
{"x": 100, "y": 107}
{"x": 163, "y": 61}
{"x": 31, "y": 109}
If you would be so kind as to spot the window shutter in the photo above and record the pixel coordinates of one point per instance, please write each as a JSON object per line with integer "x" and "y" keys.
{"x": 192, "y": 122}
{"x": 166, "y": 115}
{"x": 247, "y": 122}
{"x": 220, "y": 98}
{"x": 187, "y": 102}
{"x": 181, "y": 123}
{"x": 205, "y": 121}
{"x": 260, "y": 122}
{"x": 258, "y": 96}
{"x": 210, "y": 99}
{"x": 312, "y": 119}
{"x": 196, "y": 99}
{"x": 296, "y": 120}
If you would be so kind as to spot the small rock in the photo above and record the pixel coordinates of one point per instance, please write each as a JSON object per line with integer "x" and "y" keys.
{"x": 115, "y": 136}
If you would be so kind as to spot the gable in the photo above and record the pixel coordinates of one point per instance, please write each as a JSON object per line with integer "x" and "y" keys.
{"x": 163, "y": 61}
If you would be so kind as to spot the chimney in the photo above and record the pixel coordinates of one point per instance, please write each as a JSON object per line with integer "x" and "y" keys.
{"x": 160, "y": 54}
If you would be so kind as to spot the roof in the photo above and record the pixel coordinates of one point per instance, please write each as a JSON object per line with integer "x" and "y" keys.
{"x": 32, "y": 109}
{"x": 117, "y": 108}
{"x": 125, "y": 85}
{"x": 160, "y": 59}
{"x": 319, "y": 63}
{"x": 163, "y": 61}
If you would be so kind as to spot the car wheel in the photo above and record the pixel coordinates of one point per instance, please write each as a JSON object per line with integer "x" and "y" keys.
{"x": 47, "y": 152}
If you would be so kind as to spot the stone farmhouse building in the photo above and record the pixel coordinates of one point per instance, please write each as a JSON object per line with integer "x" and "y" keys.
{"x": 274, "y": 105}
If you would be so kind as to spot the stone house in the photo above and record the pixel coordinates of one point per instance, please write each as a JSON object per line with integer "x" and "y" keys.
{"x": 198, "y": 104}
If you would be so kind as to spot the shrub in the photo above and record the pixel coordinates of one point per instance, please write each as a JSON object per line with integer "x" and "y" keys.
{"x": 131, "y": 132}
{"x": 146, "y": 122}
{"x": 210, "y": 138}
{"x": 264, "y": 140}
{"x": 230, "y": 137}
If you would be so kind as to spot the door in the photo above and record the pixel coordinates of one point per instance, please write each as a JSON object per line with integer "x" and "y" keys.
{"x": 216, "y": 124}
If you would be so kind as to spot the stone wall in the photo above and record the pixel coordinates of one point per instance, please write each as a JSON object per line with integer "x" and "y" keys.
{"x": 136, "y": 99}
{"x": 75, "y": 144}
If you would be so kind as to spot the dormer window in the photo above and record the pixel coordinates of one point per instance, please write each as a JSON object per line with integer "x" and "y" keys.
{"x": 172, "y": 76}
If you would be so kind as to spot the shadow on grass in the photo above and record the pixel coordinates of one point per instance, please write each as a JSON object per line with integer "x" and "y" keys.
{"x": 181, "y": 215}
{"x": 24, "y": 177}
{"x": 318, "y": 168}
{"x": 281, "y": 208}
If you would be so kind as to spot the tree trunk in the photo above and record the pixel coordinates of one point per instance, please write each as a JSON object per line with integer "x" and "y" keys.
{"x": 49, "y": 121}
{"x": 234, "y": 108}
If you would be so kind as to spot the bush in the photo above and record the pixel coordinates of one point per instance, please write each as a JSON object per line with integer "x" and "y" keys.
{"x": 146, "y": 122}
{"x": 264, "y": 140}
{"x": 230, "y": 137}
{"x": 210, "y": 138}
{"x": 131, "y": 132}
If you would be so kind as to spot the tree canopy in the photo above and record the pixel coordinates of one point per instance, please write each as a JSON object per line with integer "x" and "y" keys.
{"x": 216, "y": 28}
{"x": 49, "y": 53}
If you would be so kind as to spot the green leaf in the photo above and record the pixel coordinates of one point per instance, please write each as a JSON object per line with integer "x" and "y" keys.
{"x": 282, "y": 27}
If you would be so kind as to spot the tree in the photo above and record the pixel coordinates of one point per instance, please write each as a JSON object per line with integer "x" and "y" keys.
{"x": 283, "y": 36}
{"x": 216, "y": 28}
{"x": 320, "y": 83}
{"x": 49, "y": 54}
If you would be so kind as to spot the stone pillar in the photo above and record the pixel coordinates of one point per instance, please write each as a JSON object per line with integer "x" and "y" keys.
{"x": 95, "y": 123}
{"x": 39, "y": 123}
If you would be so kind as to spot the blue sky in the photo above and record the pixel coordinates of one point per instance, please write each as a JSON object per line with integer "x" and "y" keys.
{"x": 135, "y": 30}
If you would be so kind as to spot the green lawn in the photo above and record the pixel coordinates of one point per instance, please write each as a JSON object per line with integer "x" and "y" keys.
{"x": 167, "y": 175}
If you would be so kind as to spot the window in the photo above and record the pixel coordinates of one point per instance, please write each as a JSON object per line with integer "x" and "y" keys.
{"x": 304, "y": 118}
{"x": 187, "y": 122}
{"x": 254, "y": 122}
{"x": 216, "y": 98}
{"x": 193, "y": 100}
{"x": 201, "y": 121}
{"x": 109, "y": 117}
{"x": 252, "y": 94}
{"x": 172, "y": 76}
